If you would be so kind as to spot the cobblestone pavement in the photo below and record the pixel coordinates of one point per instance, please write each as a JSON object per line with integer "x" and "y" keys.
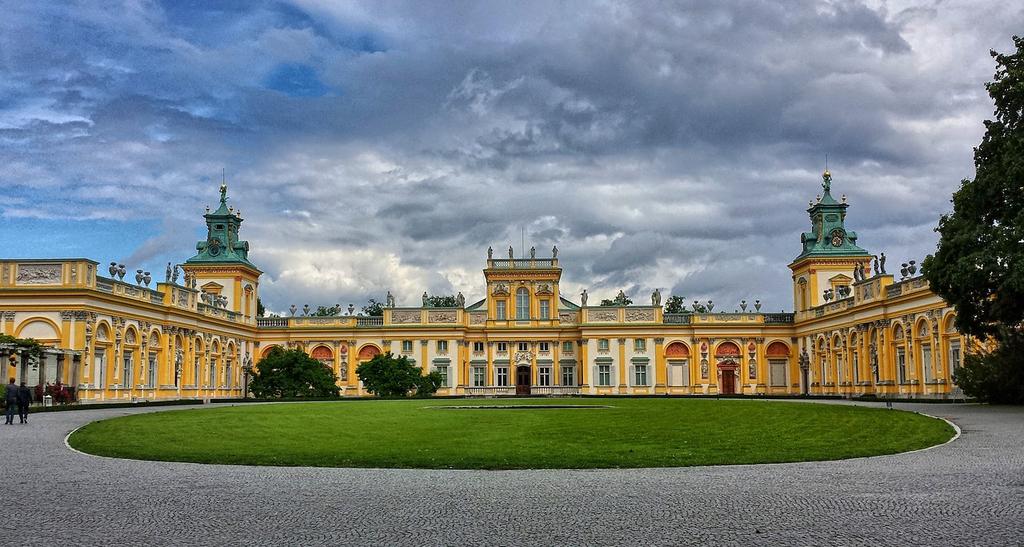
{"x": 968, "y": 492}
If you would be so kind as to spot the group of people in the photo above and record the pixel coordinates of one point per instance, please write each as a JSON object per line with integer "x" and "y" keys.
{"x": 17, "y": 398}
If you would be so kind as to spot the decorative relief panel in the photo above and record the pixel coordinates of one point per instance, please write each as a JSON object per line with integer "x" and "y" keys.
{"x": 501, "y": 289}
{"x": 478, "y": 318}
{"x": 544, "y": 288}
{"x": 633, "y": 316}
{"x": 405, "y": 317}
{"x": 567, "y": 317}
{"x": 38, "y": 274}
{"x": 602, "y": 315}
{"x": 441, "y": 316}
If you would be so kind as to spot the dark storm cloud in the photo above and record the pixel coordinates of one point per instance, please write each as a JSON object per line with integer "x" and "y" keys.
{"x": 377, "y": 146}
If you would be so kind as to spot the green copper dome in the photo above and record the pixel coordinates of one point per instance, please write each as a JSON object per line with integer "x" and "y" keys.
{"x": 829, "y": 236}
{"x": 222, "y": 245}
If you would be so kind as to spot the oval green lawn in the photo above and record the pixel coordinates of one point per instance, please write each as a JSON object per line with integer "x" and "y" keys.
{"x": 411, "y": 434}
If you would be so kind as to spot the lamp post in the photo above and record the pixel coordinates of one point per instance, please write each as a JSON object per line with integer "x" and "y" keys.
{"x": 246, "y": 372}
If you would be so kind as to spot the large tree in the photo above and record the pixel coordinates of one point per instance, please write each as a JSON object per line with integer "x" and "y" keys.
{"x": 373, "y": 308}
{"x": 388, "y": 376}
{"x": 979, "y": 265}
{"x": 292, "y": 373}
{"x": 675, "y": 304}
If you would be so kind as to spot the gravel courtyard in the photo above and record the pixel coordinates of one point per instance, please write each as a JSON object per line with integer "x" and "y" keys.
{"x": 970, "y": 491}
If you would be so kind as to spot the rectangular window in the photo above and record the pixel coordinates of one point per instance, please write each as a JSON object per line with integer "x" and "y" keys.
{"x": 502, "y": 347}
{"x": 443, "y": 371}
{"x": 502, "y": 373}
{"x": 126, "y": 370}
{"x": 777, "y": 372}
{"x": 640, "y": 375}
{"x": 566, "y": 347}
{"x": 524, "y": 346}
{"x": 478, "y": 347}
{"x": 442, "y": 346}
{"x": 406, "y": 346}
{"x": 640, "y": 345}
{"x": 926, "y": 362}
{"x": 569, "y": 376}
{"x": 100, "y": 372}
{"x": 604, "y": 375}
{"x": 901, "y": 364}
{"x": 602, "y": 344}
{"x": 856, "y": 368}
{"x": 522, "y": 304}
{"x": 500, "y": 309}
{"x": 152, "y": 370}
{"x": 545, "y": 309}
{"x": 954, "y": 356}
{"x": 227, "y": 374}
{"x": 544, "y": 376}
{"x": 213, "y": 373}
{"x": 544, "y": 347}
{"x": 195, "y": 372}
{"x": 479, "y": 376}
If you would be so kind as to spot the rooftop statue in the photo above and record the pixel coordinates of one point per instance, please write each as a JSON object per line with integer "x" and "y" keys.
{"x": 490, "y": 253}
{"x": 583, "y": 298}
{"x": 533, "y": 252}
{"x": 426, "y": 300}
{"x": 554, "y": 251}
{"x": 826, "y": 183}
{"x": 510, "y": 252}
{"x": 390, "y": 300}
{"x": 656, "y": 298}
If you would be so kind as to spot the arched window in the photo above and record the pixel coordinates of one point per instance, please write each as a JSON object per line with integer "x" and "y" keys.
{"x": 522, "y": 303}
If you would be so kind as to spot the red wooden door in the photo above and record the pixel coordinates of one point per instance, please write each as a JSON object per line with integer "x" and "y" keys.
{"x": 523, "y": 381}
{"x": 728, "y": 386}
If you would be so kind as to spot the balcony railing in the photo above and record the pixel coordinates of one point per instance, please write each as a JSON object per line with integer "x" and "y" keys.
{"x": 369, "y": 321}
{"x": 555, "y": 390}
{"x": 490, "y": 390}
{"x": 778, "y": 318}
{"x": 272, "y": 322}
{"x": 522, "y": 263}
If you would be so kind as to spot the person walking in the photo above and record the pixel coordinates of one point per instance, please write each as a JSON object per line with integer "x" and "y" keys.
{"x": 11, "y": 399}
{"x": 24, "y": 398}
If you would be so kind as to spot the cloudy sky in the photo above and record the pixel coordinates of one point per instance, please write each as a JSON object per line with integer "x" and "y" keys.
{"x": 386, "y": 145}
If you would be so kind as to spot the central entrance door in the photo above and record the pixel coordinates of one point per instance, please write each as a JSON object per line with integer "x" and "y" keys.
{"x": 728, "y": 386}
{"x": 522, "y": 380}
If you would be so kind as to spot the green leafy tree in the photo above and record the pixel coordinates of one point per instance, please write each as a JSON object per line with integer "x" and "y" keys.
{"x": 388, "y": 376}
{"x": 260, "y": 310}
{"x": 447, "y": 301}
{"x": 675, "y": 304}
{"x": 373, "y": 308}
{"x": 979, "y": 264}
{"x": 292, "y": 373}
{"x": 619, "y": 300}
{"x": 325, "y": 311}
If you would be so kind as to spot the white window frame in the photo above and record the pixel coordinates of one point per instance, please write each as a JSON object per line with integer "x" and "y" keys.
{"x": 499, "y": 310}
{"x": 151, "y": 365}
{"x": 604, "y": 375}
{"x": 544, "y": 376}
{"x": 640, "y": 374}
{"x": 543, "y": 347}
{"x": 568, "y": 375}
{"x": 478, "y": 347}
{"x": 442, "y": 346}
{"x": 545, "y": 309}
{"x": 567, "y": 347}
{"x": 127, "y": 367}
{"x": 639, "y": 345}
{"x": 501, "y": 376}
{"x": 406, "y": 346}
{"x": 522, "y": 304}
{"x": 603, "y": 344}
{"x": 479, "y": 376}
{"x": 502, "y": 347}
{"x": 523, "y": 346}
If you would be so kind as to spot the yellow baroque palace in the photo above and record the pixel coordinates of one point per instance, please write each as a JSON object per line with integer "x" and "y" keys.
{"x": 856, "y": 330}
